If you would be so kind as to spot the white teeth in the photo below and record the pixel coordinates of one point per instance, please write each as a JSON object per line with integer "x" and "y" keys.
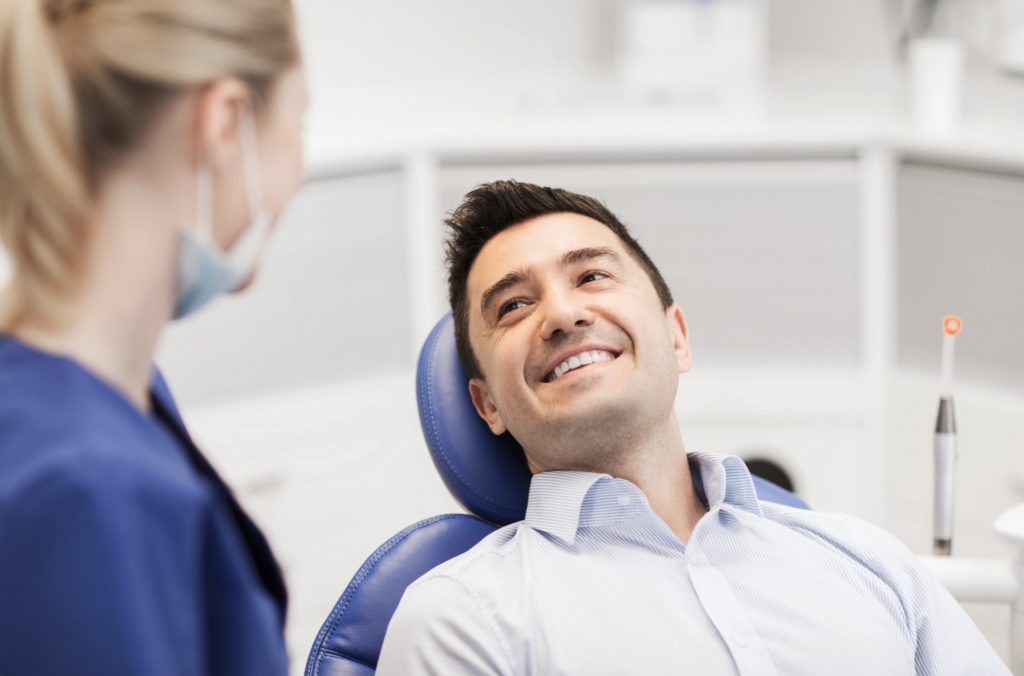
{"x": 581, "y": 359}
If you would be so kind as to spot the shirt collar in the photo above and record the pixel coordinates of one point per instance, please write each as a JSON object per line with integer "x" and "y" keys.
{"x": 724, "y": 479}
{"x": 556, "y": 500}
{"x": 563, "y": 501}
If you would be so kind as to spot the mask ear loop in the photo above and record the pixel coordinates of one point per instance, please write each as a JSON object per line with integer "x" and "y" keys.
{"x": 204, "y": 201}
{"x": 251, "y": 165}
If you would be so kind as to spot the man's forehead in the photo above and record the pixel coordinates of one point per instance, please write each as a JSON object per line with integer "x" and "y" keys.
{"x": 538, "y": 242}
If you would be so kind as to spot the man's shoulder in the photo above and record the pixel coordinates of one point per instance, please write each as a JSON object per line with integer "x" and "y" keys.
{"x": 476, "y": 566}
{"x": 467, "y": 590}
{"x": 859, "y": 540}
{"x": 446, "y": 621}
{"x": 832, "y": 525}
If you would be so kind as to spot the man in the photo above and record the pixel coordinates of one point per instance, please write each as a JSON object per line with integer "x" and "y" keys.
{"x": 635, "y": 557}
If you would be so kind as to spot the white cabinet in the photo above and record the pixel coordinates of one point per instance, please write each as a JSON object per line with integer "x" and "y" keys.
{"x": 961, "y": 250}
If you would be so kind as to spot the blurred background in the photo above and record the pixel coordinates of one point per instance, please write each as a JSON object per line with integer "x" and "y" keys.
{"x": 820, "y": 182}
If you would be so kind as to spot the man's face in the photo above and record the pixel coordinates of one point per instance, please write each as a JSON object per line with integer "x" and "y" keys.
{"x": 577, "y": 352}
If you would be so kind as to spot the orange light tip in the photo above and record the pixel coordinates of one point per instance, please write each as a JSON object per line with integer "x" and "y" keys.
{"x": 951, "y": 325}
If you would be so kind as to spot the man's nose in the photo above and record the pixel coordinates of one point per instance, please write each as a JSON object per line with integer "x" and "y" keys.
{"x": 564, "y": 313}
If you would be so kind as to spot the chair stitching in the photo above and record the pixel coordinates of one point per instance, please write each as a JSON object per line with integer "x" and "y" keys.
{"x": 348, "y": 658}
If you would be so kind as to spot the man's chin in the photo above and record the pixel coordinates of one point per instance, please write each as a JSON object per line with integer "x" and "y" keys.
{"x": 579, "y": 417}
{"x": 580, "y": 396}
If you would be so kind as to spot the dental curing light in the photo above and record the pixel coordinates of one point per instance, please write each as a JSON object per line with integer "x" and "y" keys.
{"x": 945, "y": 443}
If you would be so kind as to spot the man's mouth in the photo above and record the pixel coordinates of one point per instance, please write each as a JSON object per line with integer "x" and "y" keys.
{"x": 578, "y": 361}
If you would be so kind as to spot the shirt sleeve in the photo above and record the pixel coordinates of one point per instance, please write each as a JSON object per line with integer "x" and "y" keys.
{"x": 99, "y": 576}
{"x": 440, "y": 629}
{"x": 947, "y": 640}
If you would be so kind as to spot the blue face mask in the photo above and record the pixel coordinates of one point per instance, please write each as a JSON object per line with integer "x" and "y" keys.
{"x": 204, "y": 270}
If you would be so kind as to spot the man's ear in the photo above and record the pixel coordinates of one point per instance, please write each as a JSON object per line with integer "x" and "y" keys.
{"x": 484, "y": 405}
{"x": 680, "y": 337}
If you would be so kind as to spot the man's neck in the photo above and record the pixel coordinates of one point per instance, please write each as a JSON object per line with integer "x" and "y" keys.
{"x": 662, "y": 471}
{"x": 656, "y": 463}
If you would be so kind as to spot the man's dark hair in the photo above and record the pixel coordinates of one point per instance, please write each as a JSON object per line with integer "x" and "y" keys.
{"x": 492, "y": 207}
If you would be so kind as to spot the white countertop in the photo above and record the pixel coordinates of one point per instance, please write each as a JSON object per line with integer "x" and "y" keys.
{"x": 805, "y": 112}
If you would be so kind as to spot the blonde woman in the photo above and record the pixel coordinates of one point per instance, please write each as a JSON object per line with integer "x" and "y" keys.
{"x": 146, "y": 149}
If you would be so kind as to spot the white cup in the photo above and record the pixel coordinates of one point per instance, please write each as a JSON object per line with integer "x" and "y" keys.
{"x": 936, "y": 84}
{"x": 1011, "y": 36}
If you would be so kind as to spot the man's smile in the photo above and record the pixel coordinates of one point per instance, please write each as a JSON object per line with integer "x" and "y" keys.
{"x": 578, "y": 359}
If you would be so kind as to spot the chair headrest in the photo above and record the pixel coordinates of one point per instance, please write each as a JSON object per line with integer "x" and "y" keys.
{"x": 486, "y": 473}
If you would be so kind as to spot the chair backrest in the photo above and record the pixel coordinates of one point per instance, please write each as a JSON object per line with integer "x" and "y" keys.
{"x": 348, "y": 643}
{"x": 487, "y": 474}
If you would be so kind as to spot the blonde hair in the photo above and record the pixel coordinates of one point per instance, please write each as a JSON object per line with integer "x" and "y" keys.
{"x": 80, "y": 82}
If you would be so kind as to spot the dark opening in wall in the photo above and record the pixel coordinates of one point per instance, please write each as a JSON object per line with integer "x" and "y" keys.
{"x": 772, "y": 471}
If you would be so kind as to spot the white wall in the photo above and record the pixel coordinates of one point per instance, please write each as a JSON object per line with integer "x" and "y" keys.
{"x": 373, "y": 45}
{"x": 830, "y": 30}
{"x": 368, "y": 45}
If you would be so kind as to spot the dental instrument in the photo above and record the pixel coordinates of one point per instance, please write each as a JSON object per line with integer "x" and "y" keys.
{"x": 945, "y": 443}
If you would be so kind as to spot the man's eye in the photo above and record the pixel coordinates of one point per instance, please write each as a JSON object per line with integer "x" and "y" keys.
{"x": 592, "y": 276}
{"x": 510, "y": 306}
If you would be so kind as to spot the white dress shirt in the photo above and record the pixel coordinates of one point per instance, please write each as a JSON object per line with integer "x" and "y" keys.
{"x": 594, "y": 582}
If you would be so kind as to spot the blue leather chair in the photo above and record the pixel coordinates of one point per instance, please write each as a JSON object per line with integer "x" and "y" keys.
{"x": 487, "y": 474}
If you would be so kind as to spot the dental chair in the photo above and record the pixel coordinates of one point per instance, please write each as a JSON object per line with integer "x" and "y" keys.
{"x": 486, "y": 474}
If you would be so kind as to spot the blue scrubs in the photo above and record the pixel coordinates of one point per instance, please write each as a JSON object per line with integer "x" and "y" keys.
{"x": 121, "y": 550}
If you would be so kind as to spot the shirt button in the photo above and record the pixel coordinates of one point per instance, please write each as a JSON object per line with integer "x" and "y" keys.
{"x": 739, "y": 639}
{"x": 624, "y": 500}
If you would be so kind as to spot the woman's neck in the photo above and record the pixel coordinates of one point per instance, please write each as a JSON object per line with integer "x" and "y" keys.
{"x": 112, "y": 323}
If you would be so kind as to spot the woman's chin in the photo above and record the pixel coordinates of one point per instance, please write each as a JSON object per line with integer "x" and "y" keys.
{"x": 245, "y": 284}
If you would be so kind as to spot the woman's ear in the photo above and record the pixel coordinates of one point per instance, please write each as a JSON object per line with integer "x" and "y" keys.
{"x": 484, "y": 405}
{"x": 219, "y": 110}
{"x": 676, "y": 322}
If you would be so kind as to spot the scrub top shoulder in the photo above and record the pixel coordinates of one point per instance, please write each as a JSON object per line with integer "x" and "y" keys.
{"x": 121, "y": 550}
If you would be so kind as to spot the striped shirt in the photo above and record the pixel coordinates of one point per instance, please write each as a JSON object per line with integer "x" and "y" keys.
{"x": 594, "y": 582}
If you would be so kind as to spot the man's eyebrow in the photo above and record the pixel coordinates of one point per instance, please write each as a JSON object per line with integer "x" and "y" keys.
{"x": 589, "y": 253}
{"x": 523, "y": 275}
{"x": 508, "y": 281}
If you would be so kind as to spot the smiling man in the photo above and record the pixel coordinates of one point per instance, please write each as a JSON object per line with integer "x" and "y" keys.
{"x": 636, "y": 557}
